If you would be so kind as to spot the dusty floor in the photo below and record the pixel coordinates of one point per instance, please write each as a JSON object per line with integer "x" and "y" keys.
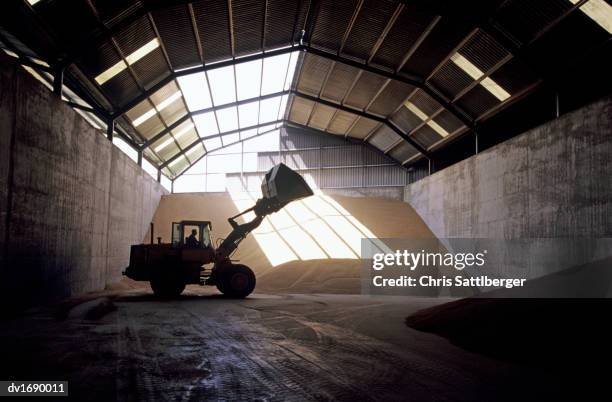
{"x": 267, "y": 348}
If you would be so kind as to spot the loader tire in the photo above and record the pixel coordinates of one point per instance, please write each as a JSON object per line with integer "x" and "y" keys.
{"x": 167, "y": 285}
{"x": 236, "y": 281}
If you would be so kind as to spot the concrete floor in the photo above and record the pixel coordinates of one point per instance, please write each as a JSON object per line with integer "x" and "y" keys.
{"x": 266, "y": 348}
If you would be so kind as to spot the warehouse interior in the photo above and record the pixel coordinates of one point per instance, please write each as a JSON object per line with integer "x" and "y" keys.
{"x": 419, "y": 120}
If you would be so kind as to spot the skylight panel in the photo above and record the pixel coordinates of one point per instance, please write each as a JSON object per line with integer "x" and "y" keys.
{"x": 599, "y": 11}
{"x": 248, "y": 133}
{"x": 269, "y": 127}
{"x": 414, "y": 109}
{"x": 177, "y": 161}
{"x": 467, "y": 66}
{"x": 195, "y": 91}
{"x": 291, "y": 70}
{"x": 283, "y": 107}
{"x": 222, "y": 85}
{"x": 497, "y": 91}
{"x": 169, "y": 100}
{"x": 130, "y": 59}
{"x": 230, "y": 139}
{"x": 192, "y": 152}
{"x": 111, "y": 72}
{"x": 162, "y": 105}
{"x": 142, "y": 51}
{"x": 228, "y": 119}
{"x": 164, "y": 144}
{"x": 423, "y": 116}
{"x": 437, "y": 128}
{"x": 268, "y": 109}
{"x": 248, "y": 79}
{"x": 248, "y": 114}
{"x": 178, "y": 135}
{"x": 212, "y": 143}
{"x": 32, "y": 2}
{"x": 274, "y": 72}
{"x": 474, "y": 72}
{"x": 144, "y": 117}
{"x": 206, "y": 124}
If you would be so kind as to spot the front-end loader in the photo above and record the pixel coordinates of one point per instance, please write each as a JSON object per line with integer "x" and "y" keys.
{"x": 170, "y": 266}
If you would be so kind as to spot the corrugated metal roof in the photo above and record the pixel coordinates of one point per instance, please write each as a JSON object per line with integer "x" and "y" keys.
{"x": 468, "y": 65}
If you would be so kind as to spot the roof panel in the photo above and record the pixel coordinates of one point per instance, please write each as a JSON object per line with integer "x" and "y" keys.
{"x": 403, "y": 151}
{"x": 135, "y": 35}
{"x": 483, "y": 51}
{"x": 369, "y": 25}
{"x": 331, "y": 23}
{"x": 362, "y": 128}
{"x": 406, "y": 120}
{"x": 300, "y": 110}
{"x": 477, "y": 101}
{"x": 321, "y": 116}
{"x": 444, "y": 37}
{"x": 426, "y": 136}
{"x": 280, "y": 16}
{"x": 448, "y": 121}
{"x": 383, "y": 138}
{"x": 425, "y": 103}
{"x": 364, "y": 90}
{"x": 524, "y": 18}
{"x": 314, "y": 71}
{"x": 339, "y": 81}
{"x": 408, "y": 28}
{"x": 450, "y": 79}
{"x": 391, "y": 98}
{"x": 342, "y": 122}
{"x": 176, "y": 31}
{"x": 212, "y": 21}
{"x": 151, "y": 69}
{"x": 248, "y": 20}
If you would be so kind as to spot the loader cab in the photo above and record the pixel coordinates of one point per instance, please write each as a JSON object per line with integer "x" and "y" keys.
{"x": 182, "y": 230}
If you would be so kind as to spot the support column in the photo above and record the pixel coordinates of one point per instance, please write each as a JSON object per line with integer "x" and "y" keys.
{"x": 158, "y": 175}
{"x": 58, "y": 81}
{"x": 140, "y": 157}
{"x": 110, "y": 127}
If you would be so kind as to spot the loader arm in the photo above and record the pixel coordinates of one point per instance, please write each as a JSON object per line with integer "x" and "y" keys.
{"x": 239, "y": 232}
{"x": 280, "y": 186}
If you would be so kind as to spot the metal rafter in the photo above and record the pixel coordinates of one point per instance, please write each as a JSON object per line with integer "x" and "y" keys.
{"x": 385, "y": 32}
{"x": 223, "y": 147}
{"x": 198, "y": 69}
{"x": 350, "y": 25}
{"x": 202, "y": 139}
{"x": 360, "y": 113}
{"x": 230, "y": 16}
{"x": 310, "y": 21}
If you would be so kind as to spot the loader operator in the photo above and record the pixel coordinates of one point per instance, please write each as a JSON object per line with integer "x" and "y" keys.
{"x": 192, "y": 241}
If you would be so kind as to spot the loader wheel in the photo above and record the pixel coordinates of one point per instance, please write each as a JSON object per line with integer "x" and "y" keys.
{"x": 237, "y": 281}
{"x": 166, "y": 285}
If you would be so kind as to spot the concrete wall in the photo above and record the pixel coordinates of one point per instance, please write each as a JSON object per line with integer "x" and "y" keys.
{"x": 388, "y": 192}
{"x": 552, "y": 181}
{"x": 71, "y": 202}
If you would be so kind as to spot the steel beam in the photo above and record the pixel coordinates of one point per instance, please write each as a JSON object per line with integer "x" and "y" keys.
{"x": 367, "y": 115}
{"x": 224, "y": 146}
{"x": 184, "y": 118}
{"x": 207, "y": 67}
{"x": 202, "y": 139}
{"x": 110, "y": 127}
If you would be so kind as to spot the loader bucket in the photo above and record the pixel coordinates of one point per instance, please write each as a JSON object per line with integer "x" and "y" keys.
{"x": 281, "y": 185}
